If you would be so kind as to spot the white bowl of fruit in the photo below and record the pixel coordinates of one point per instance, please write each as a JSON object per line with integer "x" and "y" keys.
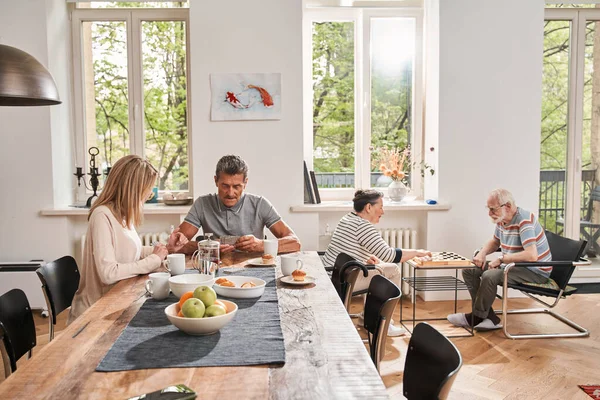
{"x": 200, "y": 312}
{"x": 240, "y": 287}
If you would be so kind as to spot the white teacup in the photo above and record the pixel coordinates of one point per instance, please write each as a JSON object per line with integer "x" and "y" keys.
{"x": 158, "y": 285}
{"x": 271, "y": 246}
{"x": 175, "y": 264}
{"x": 290, "y": 263}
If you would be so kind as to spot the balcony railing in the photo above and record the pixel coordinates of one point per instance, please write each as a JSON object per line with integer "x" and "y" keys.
{"x": 551, "y": 200}
{"x": 552, "y": 196}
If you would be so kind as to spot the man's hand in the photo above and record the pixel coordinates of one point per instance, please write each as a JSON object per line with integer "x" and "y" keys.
{"x": 372, "y": 260}
{"x": 494, "y": 264}
{"x": 226, "y": 248}
{"x": 176, "y": 241}
{"x": 479, "y": 260}
{"x": 249, "y": 243}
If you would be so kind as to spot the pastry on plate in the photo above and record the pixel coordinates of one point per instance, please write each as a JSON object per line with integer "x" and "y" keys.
{"x": 225, "y": 282}
{"x": 298, "y": 275}
{"x": 267, "y": 259}
{"x": 248, "y": 284}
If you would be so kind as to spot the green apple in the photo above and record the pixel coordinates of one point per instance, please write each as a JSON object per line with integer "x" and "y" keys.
{"x": 206, "y": 294}
{"x": 214, "y": 311}
{"x": 193, "y": 308}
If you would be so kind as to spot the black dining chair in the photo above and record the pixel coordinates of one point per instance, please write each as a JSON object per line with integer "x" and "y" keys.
{"x": 16, "y": 328}
{"x": 60, "y": 281}
{"x": 566, "y": 256}
{"x": 345, "y": 273}
{"x": 432, "y": 363}
{"x": 382, "y": 298}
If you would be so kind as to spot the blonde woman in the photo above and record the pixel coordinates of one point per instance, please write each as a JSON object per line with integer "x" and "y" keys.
{"x": 113, "y": 250}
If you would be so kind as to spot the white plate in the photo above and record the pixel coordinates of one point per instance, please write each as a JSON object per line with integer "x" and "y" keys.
{"x": 290, "y": 280}
{"x": 259, "y": 262}
{"x": 239, "y": 292}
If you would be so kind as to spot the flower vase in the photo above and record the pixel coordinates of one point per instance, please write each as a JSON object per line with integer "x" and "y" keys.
{"x": 397, "y": 191}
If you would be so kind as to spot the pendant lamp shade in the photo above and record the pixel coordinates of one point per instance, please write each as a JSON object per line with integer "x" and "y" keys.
{"x": 24, "y": 81}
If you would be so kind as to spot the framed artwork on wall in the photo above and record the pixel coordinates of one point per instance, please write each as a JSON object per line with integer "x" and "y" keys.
{"x": 238, "y": 97}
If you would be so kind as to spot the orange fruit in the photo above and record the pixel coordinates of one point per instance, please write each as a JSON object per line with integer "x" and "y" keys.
{"x": 184, "y": 297}
{"x": 220, "y": 303}
{"x": 180, "y": 314}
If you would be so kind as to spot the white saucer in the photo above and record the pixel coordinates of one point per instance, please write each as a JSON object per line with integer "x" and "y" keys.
{"x": 259, "y": 262}
{"x": 290, "y": 280}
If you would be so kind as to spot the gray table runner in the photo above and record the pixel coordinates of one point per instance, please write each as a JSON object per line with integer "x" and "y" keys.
{"x": 253, "y": 337}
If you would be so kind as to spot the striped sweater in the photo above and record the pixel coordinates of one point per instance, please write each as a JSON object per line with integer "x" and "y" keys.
{"x": 358, "y": 238}
{"x": 523, "y": 231}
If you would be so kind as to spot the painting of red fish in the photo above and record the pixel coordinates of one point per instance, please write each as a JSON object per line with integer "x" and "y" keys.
{"x": 245, "y": 97}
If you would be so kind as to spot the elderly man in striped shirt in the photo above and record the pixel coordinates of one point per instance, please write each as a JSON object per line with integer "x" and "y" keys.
{"x": 521, "y": 238}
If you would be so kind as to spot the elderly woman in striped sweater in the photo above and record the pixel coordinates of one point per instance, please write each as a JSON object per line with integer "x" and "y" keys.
{"x": 356, "y": 236}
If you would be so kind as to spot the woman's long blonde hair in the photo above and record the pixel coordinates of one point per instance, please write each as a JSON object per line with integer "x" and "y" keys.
{"x": 129, "y": 180}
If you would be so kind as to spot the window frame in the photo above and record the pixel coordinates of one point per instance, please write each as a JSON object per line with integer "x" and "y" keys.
{"x": 361, "y": 17}
{"x": 133, "y": 17}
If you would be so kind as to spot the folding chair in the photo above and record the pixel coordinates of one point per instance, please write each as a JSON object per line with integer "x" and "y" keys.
{"x": 566, "y": 256}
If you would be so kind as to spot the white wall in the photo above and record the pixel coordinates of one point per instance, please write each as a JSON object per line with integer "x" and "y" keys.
{"x": 251, "y": 36}
{"x": 489, "y": 114}
{"x": 26, "y": 147}
{"x": 489, "y": 118}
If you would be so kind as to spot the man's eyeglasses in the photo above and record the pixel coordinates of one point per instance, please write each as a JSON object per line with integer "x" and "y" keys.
{"x": 494, "y": 209}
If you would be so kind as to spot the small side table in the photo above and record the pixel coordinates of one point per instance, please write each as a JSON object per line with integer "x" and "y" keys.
{"x": 434, "y": 283}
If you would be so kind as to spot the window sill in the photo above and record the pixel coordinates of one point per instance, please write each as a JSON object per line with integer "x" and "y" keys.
{"x": 149, "y": 209}
{"x": 346, "y": 206}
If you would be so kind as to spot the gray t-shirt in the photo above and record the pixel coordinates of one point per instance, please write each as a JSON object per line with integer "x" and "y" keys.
{"x": 249, "y": 216}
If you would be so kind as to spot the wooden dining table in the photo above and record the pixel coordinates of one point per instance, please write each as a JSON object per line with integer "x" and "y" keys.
{"x": 325, "y": 357}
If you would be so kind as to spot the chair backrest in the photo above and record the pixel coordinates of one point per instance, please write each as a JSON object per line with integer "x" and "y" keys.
{"x": 594, "y": 196}
{"x": 564, "y": 249}
{"x": 17, "y": 323}
{"x": 382, "y": 297}
{"x": 341, "y": 286}
{"x": 432, "y": 362}
{"x": 60, "y": 281}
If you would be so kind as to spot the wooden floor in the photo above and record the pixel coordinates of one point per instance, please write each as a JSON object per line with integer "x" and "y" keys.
{"x": 493, "y": 367}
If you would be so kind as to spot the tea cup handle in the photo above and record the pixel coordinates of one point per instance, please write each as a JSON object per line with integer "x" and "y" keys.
{"x": 299, "y": 264}
{"x": 149, "y": 287}
{"x": 166, "y": 264}
{"x": 195, "y": 261}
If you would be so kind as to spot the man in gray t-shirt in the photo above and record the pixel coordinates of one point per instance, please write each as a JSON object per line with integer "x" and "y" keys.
{"x": 231, "y": 212}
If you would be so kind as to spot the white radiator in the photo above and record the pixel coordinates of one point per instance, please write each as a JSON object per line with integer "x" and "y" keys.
{"x": 404, "y": 239}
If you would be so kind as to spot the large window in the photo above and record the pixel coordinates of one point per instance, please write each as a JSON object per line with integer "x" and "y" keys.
{"x": 363, "y": 78}
{"x": 570, "y": 140}
{"x": 131, "y": 91}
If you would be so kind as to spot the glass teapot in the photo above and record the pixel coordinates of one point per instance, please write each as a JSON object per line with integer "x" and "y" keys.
{"x": 206, "y": 259}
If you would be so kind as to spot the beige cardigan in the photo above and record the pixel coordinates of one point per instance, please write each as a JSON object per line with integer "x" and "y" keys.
{"x": 108, "y": 257}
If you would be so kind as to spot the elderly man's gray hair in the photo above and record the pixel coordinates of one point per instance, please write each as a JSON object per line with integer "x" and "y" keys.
{"x": 232, "y": 165}
{"x": 503, "y": 196}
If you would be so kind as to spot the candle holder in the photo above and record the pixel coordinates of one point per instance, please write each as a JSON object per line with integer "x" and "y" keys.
{"x": 94, "y": 174}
